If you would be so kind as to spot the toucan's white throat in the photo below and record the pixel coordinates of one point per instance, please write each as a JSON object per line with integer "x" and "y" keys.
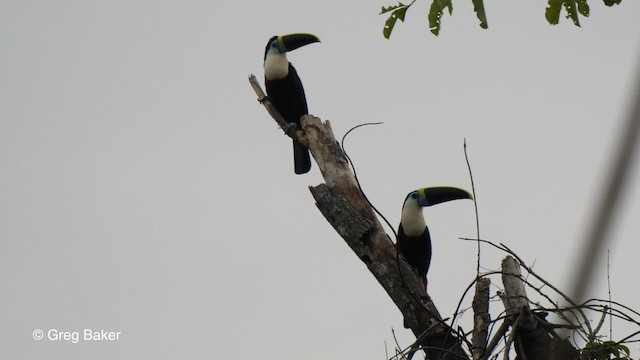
{"x": 412, "y": 220}
{"x": 276, "y": 65}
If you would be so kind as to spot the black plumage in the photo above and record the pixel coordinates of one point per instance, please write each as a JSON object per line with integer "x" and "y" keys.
{"x": 287, "y": 95}
{"x": 416, "y": 250}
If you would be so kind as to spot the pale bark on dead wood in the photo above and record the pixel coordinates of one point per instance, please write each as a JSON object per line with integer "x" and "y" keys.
{"x": 515, "y": 296}
{"x": 345, "y": 208}
{"x": 481, "y": 318}
{"x": 530, "y": 338}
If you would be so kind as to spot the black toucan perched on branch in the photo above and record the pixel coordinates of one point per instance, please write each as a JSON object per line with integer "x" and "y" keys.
{"x": 285, "y": 90}
{"x": 414, "y": 241}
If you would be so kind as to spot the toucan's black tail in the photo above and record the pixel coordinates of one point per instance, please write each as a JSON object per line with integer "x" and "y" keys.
{"x": 301, "y": 159}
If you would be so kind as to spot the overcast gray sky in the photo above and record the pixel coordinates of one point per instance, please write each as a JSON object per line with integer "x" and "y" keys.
{"x": 145, "y": 191}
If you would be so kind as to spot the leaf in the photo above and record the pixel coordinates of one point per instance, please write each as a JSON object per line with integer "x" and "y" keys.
{"x": 435, "y": 14}
{"x": 583, "y": 7}
{"x": 605, "y": 350}
{"x": 612, "y": 2}
{"x": 478, "y": 7}
{"x": 570, "y": 7}
{"x": 390, "y": 8}
{"x": 397, "y": 13}
{"x": 624, "y": 349}
{"x": 552, "y": 13}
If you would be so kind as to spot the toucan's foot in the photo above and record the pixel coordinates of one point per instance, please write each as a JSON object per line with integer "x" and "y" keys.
{"x": 289, "y": 127}
{"x": 265, "y": 98}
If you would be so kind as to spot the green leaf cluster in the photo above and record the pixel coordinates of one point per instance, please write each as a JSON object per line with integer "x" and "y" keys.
{"x": 608, "y": 350}
{"x": 398, "y": 12}
{"x": 573, "y": 8}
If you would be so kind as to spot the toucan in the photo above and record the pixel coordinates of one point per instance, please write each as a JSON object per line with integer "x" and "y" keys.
{"x": 414, "y": 241}
{"x": 284, "y": 88}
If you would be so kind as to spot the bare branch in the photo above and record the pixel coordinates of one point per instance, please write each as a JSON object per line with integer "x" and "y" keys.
{"x": 514, "y": 296}
{"x": 475, "y": 205}
{"x": 375, "y": 249}
{"x": 481, "y": 318}
{"x": 271, "y": 109}
{"x": 497, "y": 337}
{"x": 566, "y": 298}
{"x": 599, "y": 325}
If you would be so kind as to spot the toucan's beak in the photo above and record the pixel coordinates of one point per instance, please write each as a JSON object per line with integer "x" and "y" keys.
{"x": 436, "y": 195}
{"x": 294, "y": 41}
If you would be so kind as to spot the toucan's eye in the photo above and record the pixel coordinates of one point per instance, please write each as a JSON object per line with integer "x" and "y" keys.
{"x": 414, "y": 195}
